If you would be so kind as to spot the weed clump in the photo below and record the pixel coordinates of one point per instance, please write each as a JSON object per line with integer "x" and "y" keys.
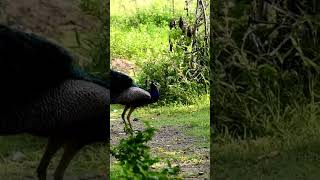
{"x": 136, "y": 160}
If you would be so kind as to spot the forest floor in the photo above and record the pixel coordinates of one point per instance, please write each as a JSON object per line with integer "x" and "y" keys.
{"x": 54, "y": 19}
{"x": 21, "y": 154}
{"x": 59, "y": 21}
{"x": 124, "y": 65}
{"x": 182, "y": 136}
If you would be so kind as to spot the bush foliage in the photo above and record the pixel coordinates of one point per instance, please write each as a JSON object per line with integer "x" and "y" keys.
{"x": 183, "y": 73}
{"x": 136, "y": 161}
{"x": 266, "y": 62}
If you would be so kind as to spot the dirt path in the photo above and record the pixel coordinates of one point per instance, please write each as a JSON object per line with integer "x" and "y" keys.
{"x": 193, "y": 159}
{"x": 125, "y": 66}
{"x": 50, "y": 18}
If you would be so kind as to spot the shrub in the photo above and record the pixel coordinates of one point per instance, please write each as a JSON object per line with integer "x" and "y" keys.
{"x": 143, "y": 37}
{"x": 136, "y": 161}
{"x": 171, "y": 73}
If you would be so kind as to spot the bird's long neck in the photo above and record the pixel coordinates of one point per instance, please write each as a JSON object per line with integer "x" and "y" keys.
{"x": 154, "y": 92}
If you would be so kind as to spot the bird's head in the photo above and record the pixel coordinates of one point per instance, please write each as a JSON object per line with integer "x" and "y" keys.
{"x": 153, "y": 85}
{"x": 154, "y": 90}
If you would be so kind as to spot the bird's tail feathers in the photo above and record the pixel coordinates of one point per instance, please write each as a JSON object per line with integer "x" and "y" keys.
{"x": 80, "y": 74}
{"x": 120, "y": 81}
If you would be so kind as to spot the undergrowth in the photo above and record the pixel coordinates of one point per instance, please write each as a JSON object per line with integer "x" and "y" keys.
{"x": 266, "y": 69}
{"x": 143, "y": 38}
{"x": 136, "y": 160}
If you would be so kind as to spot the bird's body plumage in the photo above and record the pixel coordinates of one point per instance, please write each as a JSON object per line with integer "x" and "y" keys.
{"x": 75, "y": 108}
{"x": 134, "y": 96}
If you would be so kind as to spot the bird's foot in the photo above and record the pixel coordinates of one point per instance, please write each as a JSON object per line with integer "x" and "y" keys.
{"x": 128, "y": 130}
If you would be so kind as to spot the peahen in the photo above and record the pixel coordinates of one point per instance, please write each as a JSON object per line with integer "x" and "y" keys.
{"x": 130, "y": 95}
{"x": 42, "y": 93}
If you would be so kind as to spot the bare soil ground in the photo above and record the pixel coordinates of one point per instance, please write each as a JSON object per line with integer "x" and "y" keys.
{"x": 124, "y": 66}
{"x": 56, "y": 20}
{"x": 169, "y": 140}
{"x": 50, "y": 18}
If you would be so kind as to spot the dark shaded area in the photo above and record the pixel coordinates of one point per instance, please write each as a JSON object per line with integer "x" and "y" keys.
{"x": 31, "y": 65}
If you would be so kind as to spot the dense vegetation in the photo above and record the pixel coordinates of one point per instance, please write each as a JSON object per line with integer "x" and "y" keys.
{"x": 266, "y": 66}
{"x": 265, "y": 89}
{"x": 142, "y": 36}
{"x": 136, "y": 160}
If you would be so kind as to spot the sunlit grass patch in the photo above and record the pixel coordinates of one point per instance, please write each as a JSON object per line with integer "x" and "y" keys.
{"x": 139, "y": 30}
{"x": 138, "y": 44}
{"x": 129, "y": 7}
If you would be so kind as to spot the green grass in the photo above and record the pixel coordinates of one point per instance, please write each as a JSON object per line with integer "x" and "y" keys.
{"x": 139, "y": 31}
{"x": 129, "y": 7}
{"x": 268, "y": 158}
{"x": 293, "y": 153}
{"x": 138, "y": 44}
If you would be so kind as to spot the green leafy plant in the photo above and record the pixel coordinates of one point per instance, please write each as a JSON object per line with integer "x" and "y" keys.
{"x": 171, "y": 74}
{"x": 183, "y": 74}
{"x": 136, "y": 160}
{"x": 142, "y": 37}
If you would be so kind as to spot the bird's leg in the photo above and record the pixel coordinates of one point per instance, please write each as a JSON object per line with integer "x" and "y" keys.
{"x": 52, "y": 147}
{"x": 70, "y": 150}
{"x": 128, "y": 117}
{"x": 124, "y": 113}
{"x": 123, "y": 118}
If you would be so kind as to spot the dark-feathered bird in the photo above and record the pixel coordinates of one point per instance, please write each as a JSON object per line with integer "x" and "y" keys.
{"x": 132, "y": 96}
{"x": 43, "y": 94}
